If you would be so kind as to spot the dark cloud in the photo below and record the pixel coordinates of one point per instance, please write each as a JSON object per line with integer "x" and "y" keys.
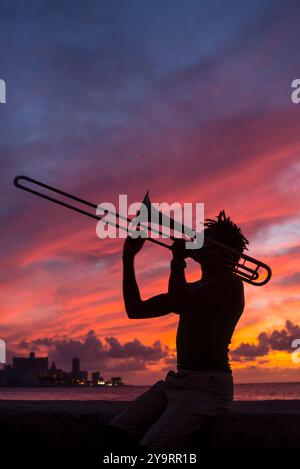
{"x": 293, "y": 250}
{"x": 36, "y": 344}
{"x": 277, "y": 340}
{"x": 289, "y": 280}
{"x": 281, "y": 340}
{"x": 94, "y": 353}
{"x": 251, "y": 351}
{"x": 135, "y": 349}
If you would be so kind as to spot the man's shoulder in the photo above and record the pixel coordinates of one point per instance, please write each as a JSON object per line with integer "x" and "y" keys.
{"x": 225, "y": 282}
{"x": 229, "y": 279}
{"x": 223, "y": 279}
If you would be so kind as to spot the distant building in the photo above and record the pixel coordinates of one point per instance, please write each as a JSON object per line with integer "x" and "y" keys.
{"x": 30, "y": 370}
{"x": 116, "y": 380}
{"x": 78, "y": 376}
{"x": 83, "y": 375}
{"x": 55, "y": 375}
{"x": 95, "y": 377}
{"x": 75, "y": 368}
{"x": 6, "y": 376}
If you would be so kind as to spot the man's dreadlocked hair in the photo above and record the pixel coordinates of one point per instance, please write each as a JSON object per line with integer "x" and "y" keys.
{"x": 225, "y": 231}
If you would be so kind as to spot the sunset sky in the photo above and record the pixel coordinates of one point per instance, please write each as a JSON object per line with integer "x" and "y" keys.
{"x": 188, "y": 99}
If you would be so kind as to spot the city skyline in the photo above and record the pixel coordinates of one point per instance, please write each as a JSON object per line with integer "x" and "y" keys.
{"x": 35, "y": 371}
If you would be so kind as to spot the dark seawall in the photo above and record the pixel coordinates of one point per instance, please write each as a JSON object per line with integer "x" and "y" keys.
{"x": 79, "y": 424}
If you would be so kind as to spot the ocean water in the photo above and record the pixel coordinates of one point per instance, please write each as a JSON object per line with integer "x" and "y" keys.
{"x": 243, "y": 392}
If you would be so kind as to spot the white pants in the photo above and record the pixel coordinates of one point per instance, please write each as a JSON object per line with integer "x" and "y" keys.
{"x": 167, "y": 414}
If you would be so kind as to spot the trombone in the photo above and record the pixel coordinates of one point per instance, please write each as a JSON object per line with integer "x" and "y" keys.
{"x": 247, "y": 268}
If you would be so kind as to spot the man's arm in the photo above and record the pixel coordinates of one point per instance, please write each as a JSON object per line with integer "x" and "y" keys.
{"x": 135, "y": 307}
{"x": 178, "y": 290}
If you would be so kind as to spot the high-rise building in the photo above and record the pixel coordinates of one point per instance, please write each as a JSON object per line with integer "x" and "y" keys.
{"x": 29, "y": 370}
{"x": 95, "y": 377}
{"x": 83, "y": 375}
{"x": 75, "y": 368}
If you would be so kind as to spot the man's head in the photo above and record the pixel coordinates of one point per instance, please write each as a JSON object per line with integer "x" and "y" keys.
{"x": 223, "y": 230}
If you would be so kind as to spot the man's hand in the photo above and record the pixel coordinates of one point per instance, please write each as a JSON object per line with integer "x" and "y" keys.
{"x": 132, "y": 246}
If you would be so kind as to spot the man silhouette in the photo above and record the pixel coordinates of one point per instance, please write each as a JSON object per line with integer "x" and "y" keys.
{"x": 166, "y": 415}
